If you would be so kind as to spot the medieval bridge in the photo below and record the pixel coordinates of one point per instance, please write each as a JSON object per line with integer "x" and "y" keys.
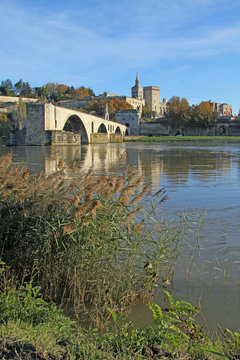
{"x": 48, "y": 124}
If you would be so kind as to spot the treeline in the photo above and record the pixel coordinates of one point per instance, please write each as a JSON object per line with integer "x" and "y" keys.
{"x": 52, "y": 91}
{"x": 114, "y": 104}
{"x": 180, "y": 114}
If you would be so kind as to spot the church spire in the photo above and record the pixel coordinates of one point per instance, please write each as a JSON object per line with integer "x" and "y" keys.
{"x": 137, "y": 81}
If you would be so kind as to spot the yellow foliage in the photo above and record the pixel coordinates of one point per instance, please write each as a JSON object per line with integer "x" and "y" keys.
{"x": 3, "y": 117}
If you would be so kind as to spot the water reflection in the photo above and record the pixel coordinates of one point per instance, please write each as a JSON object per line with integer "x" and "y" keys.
{"x": 178, "y": 165}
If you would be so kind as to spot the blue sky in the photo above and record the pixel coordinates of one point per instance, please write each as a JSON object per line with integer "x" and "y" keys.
{"x": 190, "y": 48}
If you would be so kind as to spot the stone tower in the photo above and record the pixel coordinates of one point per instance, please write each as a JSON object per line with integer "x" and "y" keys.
{"x": 151, "y": 96}
{"x": 137, "y": 90}
{"x": 106, "y": 113}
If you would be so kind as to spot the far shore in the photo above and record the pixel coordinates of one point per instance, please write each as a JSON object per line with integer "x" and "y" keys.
{"x": 182, "y": 139}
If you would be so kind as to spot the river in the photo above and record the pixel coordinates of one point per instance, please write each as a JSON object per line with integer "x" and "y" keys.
{"x": 203, "y": 179}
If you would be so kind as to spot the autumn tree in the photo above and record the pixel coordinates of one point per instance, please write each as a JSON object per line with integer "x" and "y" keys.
{"x": 82, "y": 92}
{"x": 178, "y": 112}
{"x": 114, "y": 104}
{"x": 202, "y": 115}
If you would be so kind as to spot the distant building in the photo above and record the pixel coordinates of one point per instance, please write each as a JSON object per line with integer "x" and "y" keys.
{"x": 221, "y": 109}
{"x": 130, "y": 118}
{"x": 137, "y": 90}
{"x": 140, "y": 96}
{"x": 149, "y": 96}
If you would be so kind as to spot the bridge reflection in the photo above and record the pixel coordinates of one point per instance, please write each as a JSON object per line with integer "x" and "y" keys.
{"x": 174, "y": 165}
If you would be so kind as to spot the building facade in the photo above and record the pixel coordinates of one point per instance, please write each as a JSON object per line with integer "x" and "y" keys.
{"x": 149, "y": 96}
{"x": 221, "y": 109}
{"x": 130, "y": 118}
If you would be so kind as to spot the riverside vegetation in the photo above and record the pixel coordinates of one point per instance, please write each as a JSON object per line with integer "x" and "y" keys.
{"x": 85, "y": 242}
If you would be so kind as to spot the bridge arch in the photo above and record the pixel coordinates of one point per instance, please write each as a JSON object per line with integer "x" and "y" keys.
{"x": 102, "y": 129}
{"x": 75, "y": 125}
{"x": 118, "y": 131}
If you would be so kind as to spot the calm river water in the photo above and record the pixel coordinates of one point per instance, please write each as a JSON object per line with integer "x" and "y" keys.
{"x": 200, "y": 178}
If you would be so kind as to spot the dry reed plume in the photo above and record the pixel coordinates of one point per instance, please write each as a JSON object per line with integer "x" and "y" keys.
{"x": 78, "y": 235}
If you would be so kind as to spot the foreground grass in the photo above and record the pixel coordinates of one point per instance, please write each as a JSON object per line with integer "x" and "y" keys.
{"x": 180, "y": 138}
{"x": 31, "y": 328}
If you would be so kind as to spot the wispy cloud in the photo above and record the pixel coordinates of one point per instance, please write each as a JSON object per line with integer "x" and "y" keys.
{"x": 91, "y": 41}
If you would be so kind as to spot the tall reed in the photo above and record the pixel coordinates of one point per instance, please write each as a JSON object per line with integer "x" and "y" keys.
{"x": 83, "y": 239}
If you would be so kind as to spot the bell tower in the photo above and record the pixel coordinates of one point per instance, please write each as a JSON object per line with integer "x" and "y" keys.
{"x": 137, "y": 90}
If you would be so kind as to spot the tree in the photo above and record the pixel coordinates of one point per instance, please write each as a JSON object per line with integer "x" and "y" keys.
{"x": 18, "y": 87}
{"x": 6, "y": 88}
{"x": 26, "y": 90}
{"x": 147, "y": 113}
{"x": 202, "y": 115}
{"x": 114, "y": 104}
{"x": 6, "y": 125}
{"x": 178, "y": 112}
{"x": 19, "y": 114}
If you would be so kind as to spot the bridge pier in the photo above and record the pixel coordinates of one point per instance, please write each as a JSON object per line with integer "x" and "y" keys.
{"x": 99, "y": 138}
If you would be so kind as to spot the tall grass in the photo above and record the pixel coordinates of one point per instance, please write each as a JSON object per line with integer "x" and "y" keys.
{"x": 83, "y": 239}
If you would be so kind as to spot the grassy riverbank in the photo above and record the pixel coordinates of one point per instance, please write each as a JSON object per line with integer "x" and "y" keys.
{"x": 32, "y": 328}
{"x": 182, "y": 139}
{"x": 83, "y": 241}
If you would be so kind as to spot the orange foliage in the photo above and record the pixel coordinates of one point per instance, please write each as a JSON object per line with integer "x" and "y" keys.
{"x": 205, "y": 106}
{"x": 81, "y": 93}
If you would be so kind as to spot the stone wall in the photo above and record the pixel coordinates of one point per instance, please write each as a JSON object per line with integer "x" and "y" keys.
{"x": 35, "y": 125}
{"x": 130, "y": 118}
{"x": 15, "y": 99}
{"x": 153, "y": 129}
{"x": 17, "y": 139}
{"x": 56, "y": 137}
{"x": 115, "y": 138}
{"x": 99, "y": 138}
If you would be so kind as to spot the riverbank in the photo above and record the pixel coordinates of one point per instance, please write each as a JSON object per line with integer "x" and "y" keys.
{"x": 81, "y": 241}
{"x": 32, "y": 328}
{"x": 183, "y": 139}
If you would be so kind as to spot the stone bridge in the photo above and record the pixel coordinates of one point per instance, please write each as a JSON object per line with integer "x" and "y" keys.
{"x": 48, "y": 124}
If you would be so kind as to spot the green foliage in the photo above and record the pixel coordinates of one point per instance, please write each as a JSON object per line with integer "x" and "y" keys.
{"x": 23, "y": 89}
{"x": 19, "y": 114}
{"x": 178, "y": 112}
{"x": 232, "y": 346}
{"x": 51, "y": 91}
{"x": 181, "y": 138}
{"x": 6, "y": 88}
{"x": 177, "y": 323}
{"x": 6, "y": 124}
{"x": 27, "y": 318}
{"x": 147, "y": 113}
